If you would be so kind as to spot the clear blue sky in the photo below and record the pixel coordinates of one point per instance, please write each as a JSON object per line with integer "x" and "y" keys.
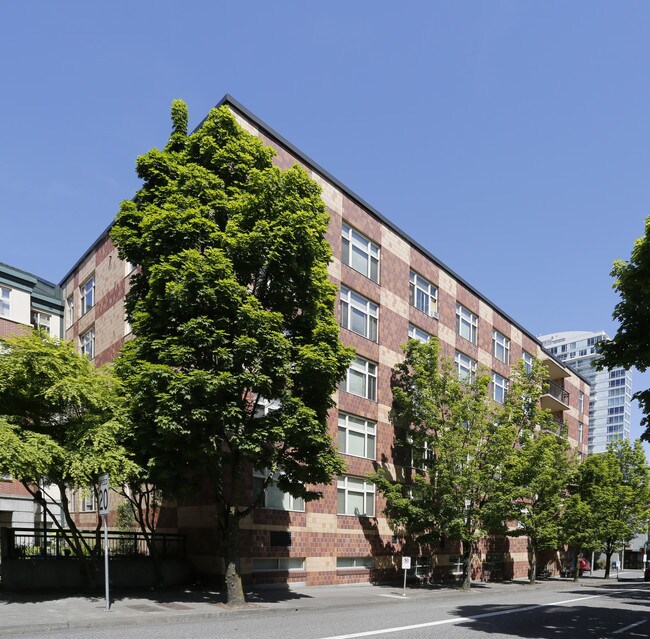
{"x": 511, "y": 138}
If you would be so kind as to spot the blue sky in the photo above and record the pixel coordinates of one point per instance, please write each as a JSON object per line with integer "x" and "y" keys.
{"x": 510, "y": 138}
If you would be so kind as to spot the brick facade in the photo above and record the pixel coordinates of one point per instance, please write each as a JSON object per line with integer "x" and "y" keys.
{"x": 319, "y": 535}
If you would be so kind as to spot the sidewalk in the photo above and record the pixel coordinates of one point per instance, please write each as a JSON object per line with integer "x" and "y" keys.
{"x": 22, "y": 613}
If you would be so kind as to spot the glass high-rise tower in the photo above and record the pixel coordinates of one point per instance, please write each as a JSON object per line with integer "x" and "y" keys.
{"x": 611, "y": 390}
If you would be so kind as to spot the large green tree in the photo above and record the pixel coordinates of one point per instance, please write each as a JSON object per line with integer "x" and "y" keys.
{"x": 60, "y": 426}
{"x": 232, "y": 311}
{"x": 614, "y": 489}
{"x": 453, "y": 427}
{"x": 536, "y": 475}
{"x": 631, "y": 344}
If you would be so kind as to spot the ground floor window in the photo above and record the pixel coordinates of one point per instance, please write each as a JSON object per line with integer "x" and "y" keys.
{"x": 268, "y": 564}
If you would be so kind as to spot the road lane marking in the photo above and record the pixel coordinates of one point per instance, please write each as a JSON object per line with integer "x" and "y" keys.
{"x": 632, "y": 625}
{"x": 395, "y": 596}
{"x": 453, "y": 620}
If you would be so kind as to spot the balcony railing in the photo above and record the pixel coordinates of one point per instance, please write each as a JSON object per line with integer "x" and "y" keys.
{"x": 555, "y": 390}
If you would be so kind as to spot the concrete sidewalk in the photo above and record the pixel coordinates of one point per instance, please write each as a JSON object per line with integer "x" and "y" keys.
{"x": 23, "y": 613}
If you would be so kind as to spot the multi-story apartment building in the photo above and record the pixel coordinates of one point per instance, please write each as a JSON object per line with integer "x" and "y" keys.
{"x": 611, "y": 390}
{"x": 390, "y": 288}
{"x": 25, "y": 301}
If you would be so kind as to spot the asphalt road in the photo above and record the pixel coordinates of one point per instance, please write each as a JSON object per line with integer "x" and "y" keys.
{"x": 619, "y": 611}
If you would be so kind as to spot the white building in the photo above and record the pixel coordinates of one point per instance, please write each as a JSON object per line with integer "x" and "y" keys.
{"x": 611, "y": 390}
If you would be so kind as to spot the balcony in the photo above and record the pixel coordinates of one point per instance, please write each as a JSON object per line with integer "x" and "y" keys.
{"x": 555, "y": 398}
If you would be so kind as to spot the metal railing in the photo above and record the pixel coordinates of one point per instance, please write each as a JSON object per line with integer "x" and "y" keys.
{"x": 555, "y": 390}
{"x": 32, "y": 543}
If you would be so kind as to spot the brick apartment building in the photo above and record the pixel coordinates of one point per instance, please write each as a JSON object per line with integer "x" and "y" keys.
{"x": 26, "y": 301}
{"x": 390, "y": 288}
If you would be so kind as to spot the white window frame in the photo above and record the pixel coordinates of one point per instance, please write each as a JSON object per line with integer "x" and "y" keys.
{"x": 361, "y": 427}
{"x": 355, "y": 563}
{"x": 355, "y": 243}
{"x": 581, "y": 402}
{"x": 423, "y": 295}
{"x": 465, "y": 367}
{"x": 70, "y": 314}
{"x": 499, "y": 387}
{"x": 367, "y": 371}
{"x": 87, "y": 292}
{"x": 287, "y": 501}
{"x": 355, "y": 305}
{"x": 466, "y": 323}
{"x": 418, "y": 334}
{"x": 88, "y": 503}
{"x": 275, "y": 564}
{"x": 41, "y": 321}
{"x": 500, "y": 346}
{"x": 528, "y": 362}
{"x": 347, "y": 486}
{"x": 5, "y": 301}
{"x": 87, "y": 343}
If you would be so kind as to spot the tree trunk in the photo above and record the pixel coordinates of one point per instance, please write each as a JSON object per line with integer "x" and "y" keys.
{"x": 532, "y": 559}
{"x": 467, "y": 566}
{"x": 231, "y": 555}
{"x": 576, "y": 568}
{"x": 608, "y": 561}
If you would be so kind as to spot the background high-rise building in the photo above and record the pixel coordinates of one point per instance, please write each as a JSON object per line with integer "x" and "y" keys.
{"x": 611, "y": 390}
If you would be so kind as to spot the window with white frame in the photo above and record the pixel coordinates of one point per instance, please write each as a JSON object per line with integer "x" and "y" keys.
{"x": 499, "y": 387}
{"x": 360, "y": 253}
{"x": 580, "y": 430}
{"x": 528, "y": 362}
{"x": 88, "y": 503}
{"x": 465, "y": 366}
{"x": 354, "y": 562}
{"x": 355, "y": 496}
{"x": 269, "y": 564}
{"x": 87, "y": 290}
{"x": 418, "y": 334}
{"x": 357, "y": 436}
{"x": 500, "y": 346}
{"x": 70, "y": 305}
{"x": 87, "y": 342}
{"x": 274, "y": 498}
{"x": 128, "y": 268}
{"x": 361, "y": 378}
{"x": 41, "y": 321}
{"x": 423, "y": 294}
{"x": 358, "y": 314}
{"x": 581, "y": 402}
{"x": 466, "y": 323}
{"x": 5, "y": 301}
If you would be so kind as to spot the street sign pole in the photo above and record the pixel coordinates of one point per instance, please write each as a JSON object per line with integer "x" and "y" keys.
{"x": 406, "y": 564}
{"x": 103, "y": 511}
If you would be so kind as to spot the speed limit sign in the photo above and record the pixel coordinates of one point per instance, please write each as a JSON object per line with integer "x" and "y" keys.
{"x": 103, "y": 494}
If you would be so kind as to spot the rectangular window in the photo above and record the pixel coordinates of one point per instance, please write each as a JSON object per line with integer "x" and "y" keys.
{"x": 580, "y": 429}
{"x": 88, "y": 502}
{"x": 499, "y": 387}
{"x": 5, "y": 306}
{"x": 357, "y": 436}
{"x": 356, "y": 496}
{"x": 500, "y": 347}
{"x": 528, "y": 362}
{"x": 87, "y": 341}
{"x": 466, "y": 323}
{"x": 361, "y": 379}
{"x": 268, "y": 564}
{"x": 418, "y": 334}
{"x": 465, "y": 366}
{"x": 581, "y": 403}
{"x": 70, "y": 304}
{"x": 87, "y": 290}
{"x": 423, "y": 295}
{"x": 41, "y": 321}
{"x": 358, "y": 314}
{"x": 274, "y": 498}
{"x": 354, "y": 562}
{"x": 128, "y": 268}
{"x": 360, "y": 253}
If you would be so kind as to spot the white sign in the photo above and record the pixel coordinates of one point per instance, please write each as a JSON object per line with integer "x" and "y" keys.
{"x": 103, "y": 494}
{"x": 406, "y": 563}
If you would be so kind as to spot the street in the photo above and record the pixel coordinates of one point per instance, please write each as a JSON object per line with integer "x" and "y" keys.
{"x": 592, "y": 609}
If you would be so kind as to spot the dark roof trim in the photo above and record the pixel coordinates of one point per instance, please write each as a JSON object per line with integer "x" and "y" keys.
{"x": 270, "y": 132}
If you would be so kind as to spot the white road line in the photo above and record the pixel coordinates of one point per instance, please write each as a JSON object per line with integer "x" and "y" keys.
{"x": 632, "y": 625}
{"x": 395, "y": 596}
{"x": 442, "y": 622}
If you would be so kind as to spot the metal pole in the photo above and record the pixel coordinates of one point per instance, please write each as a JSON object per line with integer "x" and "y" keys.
{"x": 404, "y": 591}
{"x": 108, "y": 597}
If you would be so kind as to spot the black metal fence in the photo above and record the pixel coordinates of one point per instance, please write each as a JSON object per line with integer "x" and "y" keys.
{"x": 34, "y": 543}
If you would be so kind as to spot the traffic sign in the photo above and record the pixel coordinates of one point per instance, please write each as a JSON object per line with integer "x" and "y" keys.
{"x": 406, "y": 563}
{"x": 103, "y": 494}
